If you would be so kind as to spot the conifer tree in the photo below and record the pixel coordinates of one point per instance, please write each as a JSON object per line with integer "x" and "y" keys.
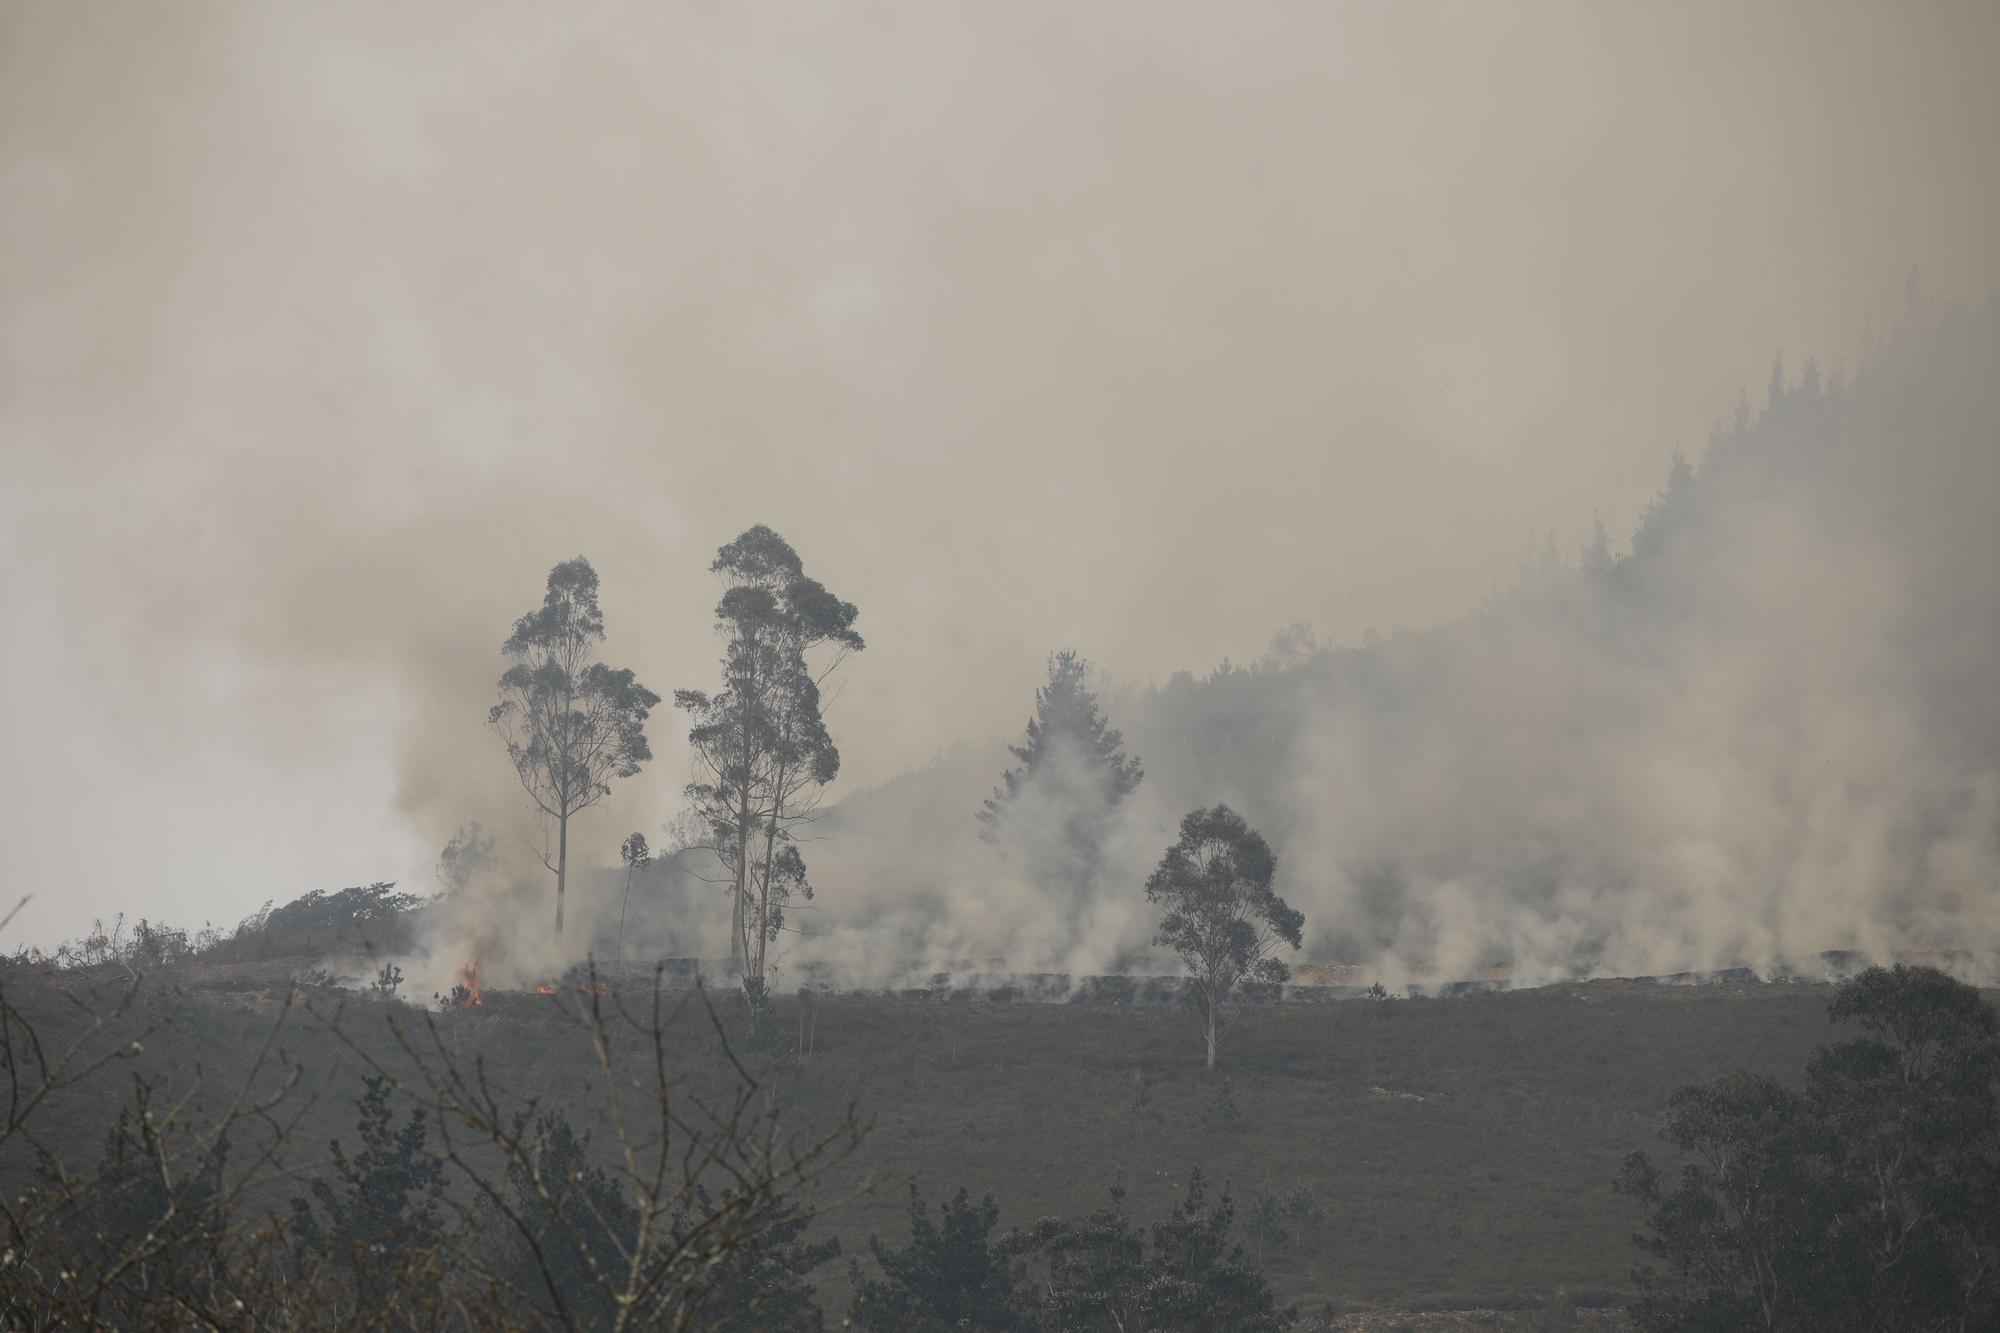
{"x": 382, "y": 1205}
{"x": 951, "y": 1276}
{"x": 1072, "y": 774}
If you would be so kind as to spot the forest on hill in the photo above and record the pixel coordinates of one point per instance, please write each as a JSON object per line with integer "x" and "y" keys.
{"x": 1762, "y": 730}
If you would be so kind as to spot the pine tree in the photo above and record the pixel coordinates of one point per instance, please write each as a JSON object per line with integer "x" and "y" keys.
{"x": 1598, "y": 557}
{"x": 1073, "y": 772}
{"x": 574, "y": 1226}
{"x": 950, "y": 1277}
{"x": 381, "y": 1209}
{"x": 1668, "y": 512}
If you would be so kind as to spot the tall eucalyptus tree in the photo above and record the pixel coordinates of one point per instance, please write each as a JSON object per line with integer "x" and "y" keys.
{"x": 571, "y": 724}
{"x": 763, "y": 754}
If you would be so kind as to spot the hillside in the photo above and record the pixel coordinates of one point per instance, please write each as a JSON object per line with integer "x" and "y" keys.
{"x": 1764, "y": 729}
{"x": 1764, "y": 735}
{"x": 1761, "y": 730}
{"x": 1455, "y": 1151}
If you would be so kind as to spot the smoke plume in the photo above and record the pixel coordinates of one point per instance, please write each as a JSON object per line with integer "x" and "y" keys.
{"x": 1142, "y": 329}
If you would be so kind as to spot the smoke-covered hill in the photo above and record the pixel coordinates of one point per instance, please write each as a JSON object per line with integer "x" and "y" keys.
{"x": 1768, "y": 729}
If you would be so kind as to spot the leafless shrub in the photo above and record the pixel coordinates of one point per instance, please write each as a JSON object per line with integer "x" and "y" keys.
{"x": 178, "y": 1224}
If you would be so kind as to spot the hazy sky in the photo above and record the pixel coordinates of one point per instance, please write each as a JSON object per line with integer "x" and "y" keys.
{"x": 1138, "y": 328}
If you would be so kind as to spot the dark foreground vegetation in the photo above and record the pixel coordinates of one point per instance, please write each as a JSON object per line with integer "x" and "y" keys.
{"x": 273, "y": 1156}
{"x": 1869, "y": 1198}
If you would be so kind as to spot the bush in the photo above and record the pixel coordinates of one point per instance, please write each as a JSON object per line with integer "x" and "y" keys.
{"x": 1870, "y": 1199}
{"x": 689, "y": 1220}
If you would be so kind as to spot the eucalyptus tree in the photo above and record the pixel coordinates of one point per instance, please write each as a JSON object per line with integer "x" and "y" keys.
{"x": 762, "y": 751}
{"x": 1052, "y": 808}
{"x": 571, "y": 724}
{"x": 638, "y": 858}
{"x": 1221, "y": 917}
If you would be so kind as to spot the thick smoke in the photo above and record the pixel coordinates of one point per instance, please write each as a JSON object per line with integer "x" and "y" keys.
{"x": 325, "y": 331}
{"x": 1767, "y": 732}
{"x": 911, "y": 887}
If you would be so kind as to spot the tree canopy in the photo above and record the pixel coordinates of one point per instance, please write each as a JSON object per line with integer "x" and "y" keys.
{"x": 762, "y": 749}
{"x": 571, "y": 724}
{"x": 1871, "y": 1199}
{"x": 1221, "y": 917}
{"x": 950, "y": 1276}
{"x": 1051, "y": 809}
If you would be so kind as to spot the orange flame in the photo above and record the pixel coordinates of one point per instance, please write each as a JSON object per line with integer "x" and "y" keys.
{"x": 545, "y": 990}
{"x": 468, "y": 977}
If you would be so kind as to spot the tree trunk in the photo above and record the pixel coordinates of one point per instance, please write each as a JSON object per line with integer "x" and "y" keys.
{"x": 764, "y": 886}
{"x": 1211, "y": 1033}
{"x": 739, "y": 940}
{"x": 623, "y": 908}
{"x": 562, "y": 867}
{"x": 736, "y": 930}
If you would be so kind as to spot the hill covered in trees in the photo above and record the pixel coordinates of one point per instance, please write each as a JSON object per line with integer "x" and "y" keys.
{"x": 1764, "y": 729}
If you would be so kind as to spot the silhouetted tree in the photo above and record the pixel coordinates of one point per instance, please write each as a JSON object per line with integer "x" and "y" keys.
{"x": 1221, "y": 917}
{"x": 1597, "y": 554}
{"x": 949, "y": 1278}
{"x": 1914, "y": 1120}
{"x": 762, "y": 750}
{"x": 759, "y": 1286}
{"x": 381, "y": 1206}
{"x": 571, "y": 724}
{"x": 465, "y": 855}
{"x": 1669, "y": 509}
{"x": 1072, "y": 775}
{"x": 1870, "y": 1201}
{"x": 636, "y": 856}
{"x": 575, "y": 1228}
{"x": 1097, "y": 1275}
{"x": 572, "y": 1225}
{"x": 1747, "y": 1231}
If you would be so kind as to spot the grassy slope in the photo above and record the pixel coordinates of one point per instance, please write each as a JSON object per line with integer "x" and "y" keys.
{"x": 1495, "y": 1185}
